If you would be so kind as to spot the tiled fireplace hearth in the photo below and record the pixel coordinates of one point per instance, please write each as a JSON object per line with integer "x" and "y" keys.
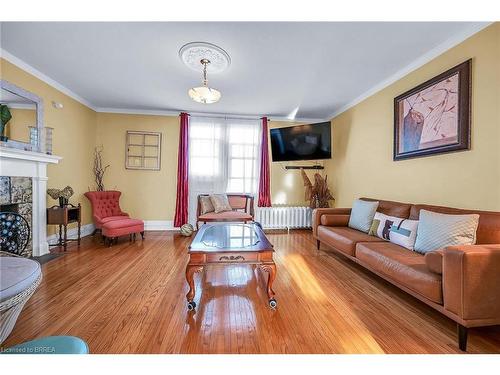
{"x": 23, "y": 190}
{"x": 16, "y": 195}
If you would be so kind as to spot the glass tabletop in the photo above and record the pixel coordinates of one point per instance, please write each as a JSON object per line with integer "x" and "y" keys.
{"x": 230, "y": 236}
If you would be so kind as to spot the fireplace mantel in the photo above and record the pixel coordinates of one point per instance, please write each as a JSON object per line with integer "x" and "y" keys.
{"x": 20, "y": 163}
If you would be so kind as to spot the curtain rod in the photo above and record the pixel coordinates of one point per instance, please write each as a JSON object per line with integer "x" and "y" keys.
{"x": 215, "y": 115}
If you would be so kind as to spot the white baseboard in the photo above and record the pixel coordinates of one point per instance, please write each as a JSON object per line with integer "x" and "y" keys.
{"x": 88, "y": 229}
{"x": 85, "y": 230}
{"x": 159, "y": 225}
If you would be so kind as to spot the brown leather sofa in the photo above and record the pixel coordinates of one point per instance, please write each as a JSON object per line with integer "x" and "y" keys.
{"x": 461, "y": 282}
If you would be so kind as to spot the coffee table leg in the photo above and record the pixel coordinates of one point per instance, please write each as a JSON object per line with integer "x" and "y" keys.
{"x": 271, "y": 270}
{"x": 190, "y": 271}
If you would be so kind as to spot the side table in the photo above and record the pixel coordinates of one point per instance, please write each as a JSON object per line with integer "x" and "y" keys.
{"x": 63, "y": 216}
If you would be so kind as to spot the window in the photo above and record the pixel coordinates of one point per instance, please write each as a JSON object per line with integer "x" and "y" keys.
{"x": 223, "y": 157}
{"x": 143, "y": 150}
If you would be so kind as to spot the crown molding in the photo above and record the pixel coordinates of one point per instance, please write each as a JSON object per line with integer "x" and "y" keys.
{"x": 152, "y": 112}
{"x": 133, "y": 111}
{"x": 38, "y": 74}
{"x": 422, "y": 60}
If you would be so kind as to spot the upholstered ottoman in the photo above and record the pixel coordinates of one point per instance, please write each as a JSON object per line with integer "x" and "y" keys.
{"x": 117, "y": 228}
{"x": 51, "y": 345}
{"x": 19, "y": 278}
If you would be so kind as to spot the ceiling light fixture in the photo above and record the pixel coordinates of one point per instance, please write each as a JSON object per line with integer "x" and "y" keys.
{"x": 204, "y": 94}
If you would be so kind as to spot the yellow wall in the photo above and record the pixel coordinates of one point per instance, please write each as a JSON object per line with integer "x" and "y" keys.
{"x": 287, "y": 186}
{"x": 362, "y": 162}
{"x": 362, "y": 146}
{"x": 73, "y": 137}
{"x": 149, "y": 195}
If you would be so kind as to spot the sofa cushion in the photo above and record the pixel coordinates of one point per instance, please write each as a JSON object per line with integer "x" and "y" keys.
{"x": 113, "y": 218}
{"x": 404, "y": 266}
{"x": 391, "y": 208}
{"x": 122, "y": 227}
{"x": 17, "y": 275}
{"x": 237, "y": 201}
{"x": 226, "y": 216}
{"x": 344, "y": 238}
{"x": 362, "y": 214}
{"x": 437, "y": 231}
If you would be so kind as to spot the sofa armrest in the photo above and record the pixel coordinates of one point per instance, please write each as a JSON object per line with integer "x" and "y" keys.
{"x": 335, "y": 216}
{"x": 471, "y": 282}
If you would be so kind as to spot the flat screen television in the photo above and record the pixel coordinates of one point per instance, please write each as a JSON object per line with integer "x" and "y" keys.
{"x": 302, "y": 142}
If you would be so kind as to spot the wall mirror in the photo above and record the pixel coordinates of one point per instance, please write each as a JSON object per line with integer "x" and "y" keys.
{"x": 24, "y": 130}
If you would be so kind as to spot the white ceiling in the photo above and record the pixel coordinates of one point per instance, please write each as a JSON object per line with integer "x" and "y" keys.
{"x": 276, "y": 67}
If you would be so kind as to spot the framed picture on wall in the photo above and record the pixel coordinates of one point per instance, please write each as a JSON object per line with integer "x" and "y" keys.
{"x": 434, "y": 117}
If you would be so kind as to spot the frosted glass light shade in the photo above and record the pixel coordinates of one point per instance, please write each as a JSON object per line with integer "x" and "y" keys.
{"x": 204, "y": 94}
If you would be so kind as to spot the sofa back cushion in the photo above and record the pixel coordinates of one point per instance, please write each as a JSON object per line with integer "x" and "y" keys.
{"x": 392, "y": 208}
{"x": 437, "y": 231}
{"x": 362, "y": 214}
{"x": 237, "y": 202}
{"x": 488, "y": 230}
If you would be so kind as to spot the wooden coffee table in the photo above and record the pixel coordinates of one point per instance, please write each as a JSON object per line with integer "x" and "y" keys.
{"x": 230, "y": 243}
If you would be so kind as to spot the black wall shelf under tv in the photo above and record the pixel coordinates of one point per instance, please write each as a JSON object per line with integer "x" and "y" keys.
{"x": 304, "y": 167}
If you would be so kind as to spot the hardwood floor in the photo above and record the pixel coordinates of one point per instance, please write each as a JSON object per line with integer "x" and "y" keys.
{"x": 130, "y": 298}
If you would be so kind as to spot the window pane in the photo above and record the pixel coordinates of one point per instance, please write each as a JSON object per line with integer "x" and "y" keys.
{"x": 135, "y": 150}
{"x": 203, "y": 166}
{"x": 136, "y": 139}
{"x": 150, "y": 139}
{"x": 250, "y": 151}
{"x": 150, "y": 163}
{"x": 249, "y": 165}
{"x": 235, "y": 185}
{"x": 237, "y": 166}
{"x": 237, "y": 151}
{"x": 150, "y": 151}
{"x": 203, "y": 147}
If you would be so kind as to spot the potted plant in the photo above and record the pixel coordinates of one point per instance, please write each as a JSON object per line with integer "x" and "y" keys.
{"x": 5, "y": 117}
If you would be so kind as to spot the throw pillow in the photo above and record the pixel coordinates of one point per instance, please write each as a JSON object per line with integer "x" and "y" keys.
{"x": 220, "y": 203}
{"x": 437, "y": 231}
{"x": 362, "y": 214}
{"x": 206, "y": 205}
{"x": 404, "y": 234}
{"x": 381, "y": 225}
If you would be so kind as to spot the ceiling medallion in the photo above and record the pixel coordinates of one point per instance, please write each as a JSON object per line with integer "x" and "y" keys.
{"x": 192, "y": 53}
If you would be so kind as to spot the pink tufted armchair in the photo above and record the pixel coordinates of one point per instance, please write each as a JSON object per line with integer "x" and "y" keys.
{"x": 105, "y": 207}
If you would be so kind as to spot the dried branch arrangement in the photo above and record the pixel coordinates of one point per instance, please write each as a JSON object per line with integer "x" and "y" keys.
{"x": 318, "y": 194}
{"x": 99, "y": 169}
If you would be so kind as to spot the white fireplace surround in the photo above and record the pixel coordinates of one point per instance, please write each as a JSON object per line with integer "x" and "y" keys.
{"x": 19, "y": 163}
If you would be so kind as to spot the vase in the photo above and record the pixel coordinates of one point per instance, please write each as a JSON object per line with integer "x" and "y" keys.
{"x": 63, "y": 201}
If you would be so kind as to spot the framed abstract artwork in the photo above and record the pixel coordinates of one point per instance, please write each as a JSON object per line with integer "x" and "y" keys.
{"x": 434, "y": 117}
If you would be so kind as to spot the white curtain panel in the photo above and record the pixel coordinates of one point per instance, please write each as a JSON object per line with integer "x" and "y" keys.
{"x": 224, "y": 157}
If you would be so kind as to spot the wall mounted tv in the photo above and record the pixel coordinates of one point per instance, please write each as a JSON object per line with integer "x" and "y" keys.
{"x": 302, "y": 142}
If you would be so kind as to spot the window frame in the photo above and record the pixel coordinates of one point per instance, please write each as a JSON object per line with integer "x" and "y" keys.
{"x": 143, "y": 146}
